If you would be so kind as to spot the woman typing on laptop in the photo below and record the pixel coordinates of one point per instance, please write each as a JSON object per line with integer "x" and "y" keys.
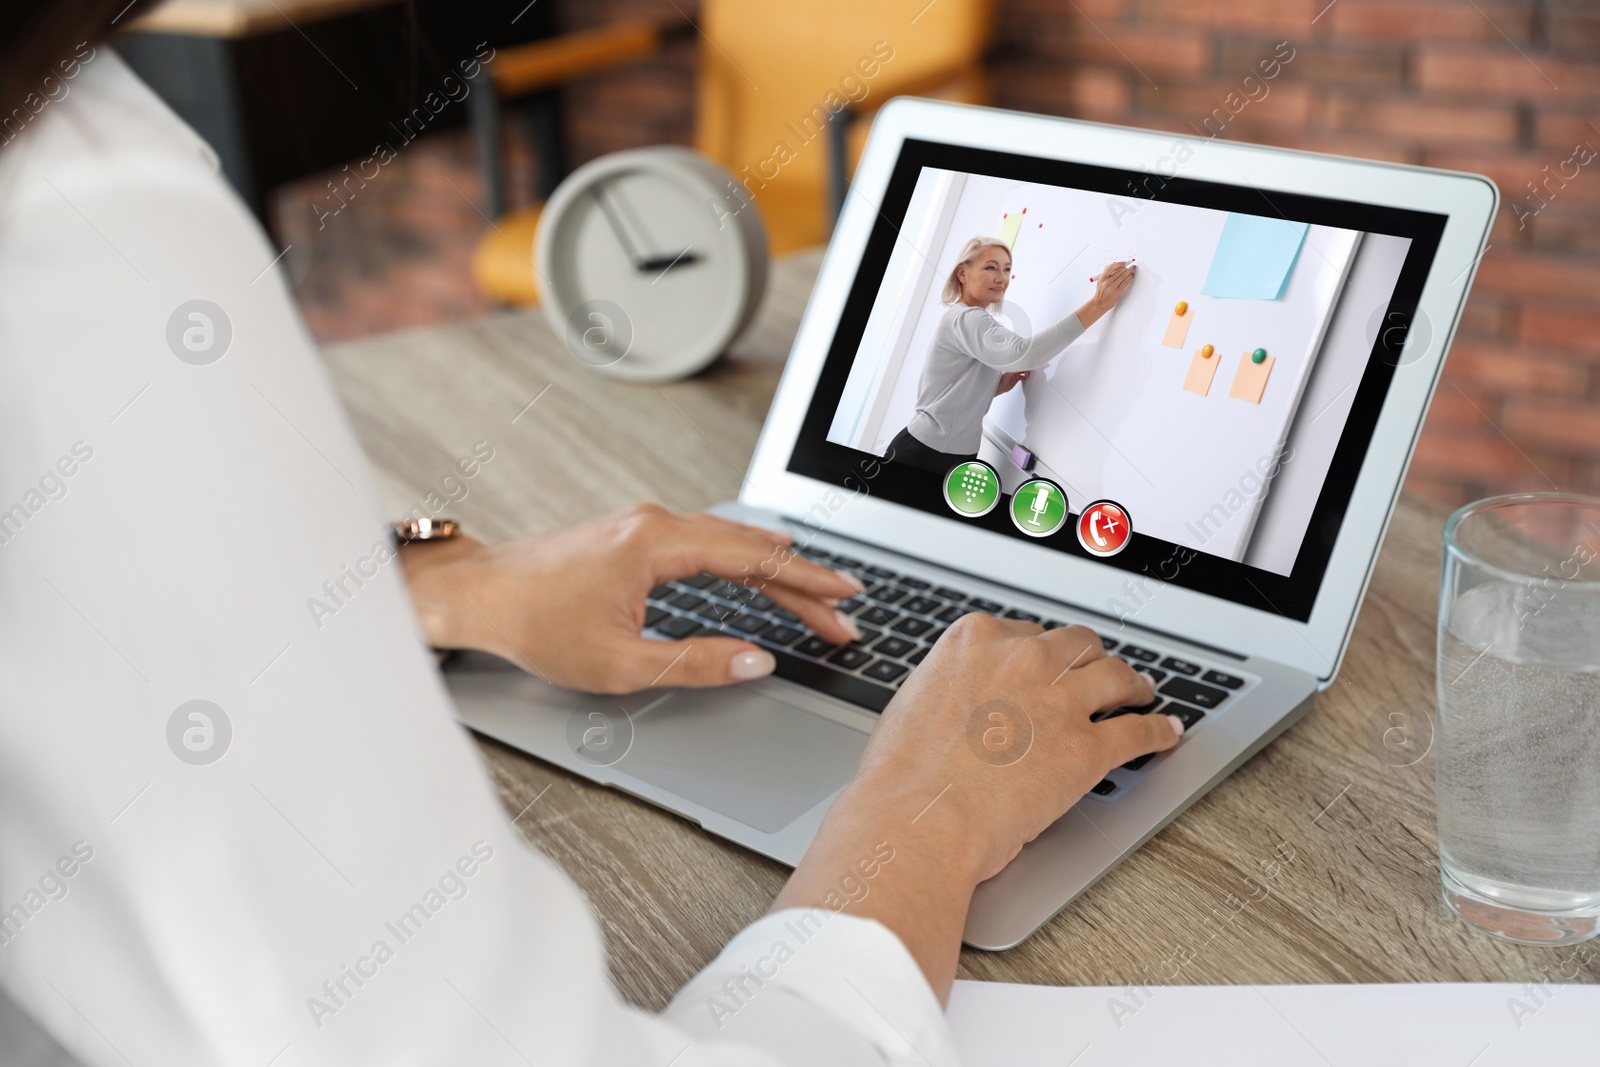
{"x": 265, "y": 840}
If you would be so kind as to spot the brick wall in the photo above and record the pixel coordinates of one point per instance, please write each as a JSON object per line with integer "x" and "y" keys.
{"x": 1507, "y": 88}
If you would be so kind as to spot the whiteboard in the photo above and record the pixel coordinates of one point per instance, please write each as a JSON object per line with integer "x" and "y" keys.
{"x": 1109, "y": 418}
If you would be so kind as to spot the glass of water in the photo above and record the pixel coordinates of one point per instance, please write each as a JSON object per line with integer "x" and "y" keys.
{"x": 1519, "y": 717}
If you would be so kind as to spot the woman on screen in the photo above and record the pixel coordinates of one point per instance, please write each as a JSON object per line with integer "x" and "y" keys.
{"x": 974, "y": 359}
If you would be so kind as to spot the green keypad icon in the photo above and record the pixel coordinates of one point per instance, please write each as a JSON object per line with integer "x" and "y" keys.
{"x": 972, "y": 488}
{"x": 1039, "y": 508}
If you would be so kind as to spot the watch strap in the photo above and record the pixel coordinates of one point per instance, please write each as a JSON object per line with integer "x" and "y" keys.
{"x": 406, "y": 531}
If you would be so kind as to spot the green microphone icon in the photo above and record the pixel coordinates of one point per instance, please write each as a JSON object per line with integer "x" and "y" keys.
{"x": 1039, "y": 508}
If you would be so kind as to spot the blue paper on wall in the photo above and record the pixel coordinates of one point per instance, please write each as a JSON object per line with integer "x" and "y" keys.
{"x": 1254, "y": 257}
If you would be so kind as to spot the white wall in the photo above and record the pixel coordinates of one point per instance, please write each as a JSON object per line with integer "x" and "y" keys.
{"x": 1319, "y": 422}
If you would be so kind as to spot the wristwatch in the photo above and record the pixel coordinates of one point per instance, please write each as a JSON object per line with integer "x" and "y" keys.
{"x": 408, "y": 530}
{"x": 404, "y": 533}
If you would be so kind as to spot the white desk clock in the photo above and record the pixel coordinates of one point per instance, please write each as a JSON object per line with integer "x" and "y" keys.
{"x": 651, "y": 262}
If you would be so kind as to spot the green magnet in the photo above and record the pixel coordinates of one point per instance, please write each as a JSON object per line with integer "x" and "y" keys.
{"x": 1258, "y": 356}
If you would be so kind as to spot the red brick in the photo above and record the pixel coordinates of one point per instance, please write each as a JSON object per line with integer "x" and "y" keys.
{"x": 1287, "y": 16}
{"x": 1448, "y": 491}
{"x": 1362, "y": 64}
{"x": 1440, "y": 20}
{"x": 1558, "y": 426}
{"x": 1538, "y": 274}
{"x": 1506, "y": 231}
{"x": 1083, "y": 92}
{"x": 1566, "y": 226}
{"x": 1445, "y": 124}
{"x": 1288, "y": 103}
{"x": 1512, "y": 171}
{"x": 1489, "y": 317}
{"x": 1361, "y": 146}
{"x": 1562, "y": 131}
{"x": 1511, "y": 368}
{"x": 1501, "y": 72}
{"x": 1143, "y": 48}
{"x": 1027, "y": 15}
{"x": 1545, "y": 473}
{"x": 1467, "y": 454}
{"x": 1586, "y": 478}
{"x": 1573, "y": 26}
{"x": 1098, "y": 92}
{"x": 1251, "y": 131}
{"x": 1571, "y": 326}
{"x": 1461, "y": 405}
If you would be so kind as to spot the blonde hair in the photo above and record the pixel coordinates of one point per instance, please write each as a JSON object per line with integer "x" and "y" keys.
{"x": 969, "y": 252}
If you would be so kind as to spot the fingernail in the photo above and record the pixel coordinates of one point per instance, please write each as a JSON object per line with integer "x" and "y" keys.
{"x": 849, "y": 624}
{"x": 748, "y": 665}
{"x": 852, "y": 579}
{"x": 1177, "y": 723}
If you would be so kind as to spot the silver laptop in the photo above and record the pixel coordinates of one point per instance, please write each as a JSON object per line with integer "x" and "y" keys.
{"x": 1203, "y": 477}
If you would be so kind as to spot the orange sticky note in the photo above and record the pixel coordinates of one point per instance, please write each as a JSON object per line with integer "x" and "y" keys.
{"x": 1250, "y": 380}
{"x": 1178, "y": 328}
{"x": 1201, "y": 370}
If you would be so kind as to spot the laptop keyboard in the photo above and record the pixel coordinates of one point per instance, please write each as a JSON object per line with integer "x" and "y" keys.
{"x": 901, "y": 617}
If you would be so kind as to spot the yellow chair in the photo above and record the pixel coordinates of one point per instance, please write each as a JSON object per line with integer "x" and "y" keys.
{"x": 780, "y": 89}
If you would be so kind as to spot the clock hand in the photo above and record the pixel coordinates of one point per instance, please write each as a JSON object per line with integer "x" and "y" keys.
{"x": 659, "y": 265}
{"x": 598, "y": 192}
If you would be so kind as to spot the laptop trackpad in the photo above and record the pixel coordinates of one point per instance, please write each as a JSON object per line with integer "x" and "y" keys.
{"x": 742, "y": 753}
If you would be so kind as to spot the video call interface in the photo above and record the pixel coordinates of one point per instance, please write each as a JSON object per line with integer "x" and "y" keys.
{"x": 1204, "y": 427}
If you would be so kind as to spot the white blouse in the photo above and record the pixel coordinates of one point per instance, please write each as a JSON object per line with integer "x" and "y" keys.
{"x": 230, "y": 832}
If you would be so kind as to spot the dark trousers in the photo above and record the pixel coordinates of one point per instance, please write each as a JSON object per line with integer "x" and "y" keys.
{"x": 907, "y": 449}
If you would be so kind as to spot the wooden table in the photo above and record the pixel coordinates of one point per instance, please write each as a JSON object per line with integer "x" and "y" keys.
{"x": 1355, "y": 897}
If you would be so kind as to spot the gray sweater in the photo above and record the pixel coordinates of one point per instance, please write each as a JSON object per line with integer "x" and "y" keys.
{"x": 970, "y": 351}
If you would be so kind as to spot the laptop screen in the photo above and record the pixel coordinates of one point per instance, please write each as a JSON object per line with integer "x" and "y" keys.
{"x": 1176, "y": 378}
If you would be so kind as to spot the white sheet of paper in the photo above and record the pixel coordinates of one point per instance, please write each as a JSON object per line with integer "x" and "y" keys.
{"x": 1481, "y": 1025}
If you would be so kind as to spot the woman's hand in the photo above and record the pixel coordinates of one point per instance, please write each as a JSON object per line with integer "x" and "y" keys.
{"x": 569, "y": 606}
{"x": 1002, "y": 714}
{"x": 1010, "y": 379}
{"x": 1109, "y": 287}
{"x": 989, "y": 742}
